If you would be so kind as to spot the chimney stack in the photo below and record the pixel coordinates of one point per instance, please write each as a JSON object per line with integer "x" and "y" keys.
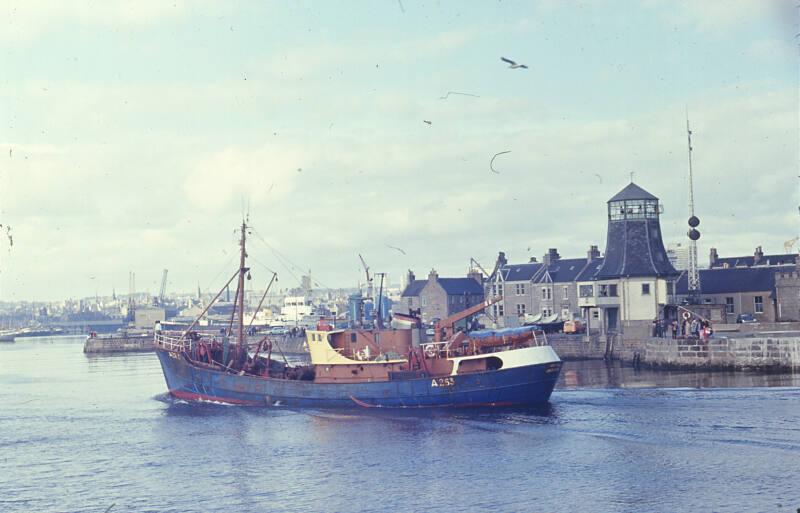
{"x": 551, "y": 257}
{"x": 433, "y": 275}
{"x": 410, "y": 278}
{"x": 593, "y": 254}
{"x": 758, "y": 256}
{"x": 713, "y": 257}
{"x": 501, "y": 259}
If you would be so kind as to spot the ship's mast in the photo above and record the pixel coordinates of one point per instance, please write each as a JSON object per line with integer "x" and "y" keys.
{"x": 242, "y": 271}
{"x": 693, "y": 273}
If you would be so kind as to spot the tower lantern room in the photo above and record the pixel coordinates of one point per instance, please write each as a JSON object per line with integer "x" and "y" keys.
{"x": 634, "y": 206}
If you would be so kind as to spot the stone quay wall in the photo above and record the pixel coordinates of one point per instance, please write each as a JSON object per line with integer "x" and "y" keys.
{"x": 578, "y": 347}
{"x": 716, "y": 353}
{"x": 754, "y": 352}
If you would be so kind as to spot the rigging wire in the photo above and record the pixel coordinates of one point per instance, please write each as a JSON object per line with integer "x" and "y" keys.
{"x": 284, "y": 260}
{"x": 222, "y": 270}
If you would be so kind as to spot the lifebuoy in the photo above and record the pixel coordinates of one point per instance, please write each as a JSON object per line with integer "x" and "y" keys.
{"x": 687, "y": 316}
{"x": 430, "y": 350}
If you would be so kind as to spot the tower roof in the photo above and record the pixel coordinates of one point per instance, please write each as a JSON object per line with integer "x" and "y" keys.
{"x": 632, "y": 192}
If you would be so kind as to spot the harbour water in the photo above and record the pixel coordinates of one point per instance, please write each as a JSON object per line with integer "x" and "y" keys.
{"x": 88, "y": 433}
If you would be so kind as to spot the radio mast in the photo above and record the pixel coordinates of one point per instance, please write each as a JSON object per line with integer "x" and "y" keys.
{"x": 693, "y": 233}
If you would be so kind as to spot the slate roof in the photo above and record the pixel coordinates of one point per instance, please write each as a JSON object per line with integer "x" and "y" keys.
{"x": 748, "y": 261}
{"x": 564, "y": 270}
{"x": 588, "y": 272}
{"x": 414, "y": 288}
{"x": 632, "y": 192}
{"x": 634, "y": 248}
{"x": 459, "y": 286}
{"x": 452, "y": 286}
{"x": 520, "y": 272}
{"x": 733, "y": 280}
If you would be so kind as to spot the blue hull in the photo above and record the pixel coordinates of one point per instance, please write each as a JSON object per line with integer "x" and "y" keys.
{"x": 531, "y": 384}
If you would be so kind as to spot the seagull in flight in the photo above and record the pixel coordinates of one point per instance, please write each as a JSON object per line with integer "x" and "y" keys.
{"x": 512, "y": 64}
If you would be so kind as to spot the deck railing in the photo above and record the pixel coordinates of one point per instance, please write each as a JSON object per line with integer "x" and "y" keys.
{"x": 172, "y": 343}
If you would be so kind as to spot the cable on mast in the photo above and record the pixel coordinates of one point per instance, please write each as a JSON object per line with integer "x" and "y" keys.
{"x": 693, "y": 233}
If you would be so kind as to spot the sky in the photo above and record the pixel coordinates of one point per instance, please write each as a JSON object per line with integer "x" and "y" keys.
{"x": 135, "y": 135}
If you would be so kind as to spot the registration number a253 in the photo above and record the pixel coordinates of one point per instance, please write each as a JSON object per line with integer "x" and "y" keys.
{"x": 443, "y": 382}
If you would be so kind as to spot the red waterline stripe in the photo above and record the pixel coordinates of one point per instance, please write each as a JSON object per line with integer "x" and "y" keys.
{"x": 188, "y": 396}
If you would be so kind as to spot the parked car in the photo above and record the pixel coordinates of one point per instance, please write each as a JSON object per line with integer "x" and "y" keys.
{"x": 745, "y": 318}
{"x": 279, "y": 330}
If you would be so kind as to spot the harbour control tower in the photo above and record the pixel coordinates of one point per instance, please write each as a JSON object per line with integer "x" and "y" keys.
{"x": 633, "y": 285}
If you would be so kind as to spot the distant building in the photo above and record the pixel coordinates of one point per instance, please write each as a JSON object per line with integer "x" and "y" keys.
{"x": 146, "y": 318}
{"x": 678, "y": 255}
{"x": 437, "y": 298}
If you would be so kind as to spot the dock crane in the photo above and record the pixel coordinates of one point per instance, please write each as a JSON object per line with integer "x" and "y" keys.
{"x": 444, "y": 328}
{"x": 369, "y": 278}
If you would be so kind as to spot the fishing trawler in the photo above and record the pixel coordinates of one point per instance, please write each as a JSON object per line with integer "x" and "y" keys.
{"x": 392, "y": 367}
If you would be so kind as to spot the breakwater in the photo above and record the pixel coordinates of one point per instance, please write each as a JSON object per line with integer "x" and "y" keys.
{"x": 118, "y": 344}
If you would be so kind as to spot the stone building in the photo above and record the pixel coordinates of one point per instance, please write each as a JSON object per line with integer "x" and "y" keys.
{"x": 536, "y": 290}
{"x": 742, "y": 290}
{"x": 765, "y": 286}
{"x": 513, "y": 283}
{"x": 437, "y": 298}
{"x": 787, "y": 293}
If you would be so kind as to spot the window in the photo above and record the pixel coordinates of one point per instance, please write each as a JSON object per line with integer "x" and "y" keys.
{"x": 603, "y": 290}
{"x": 586, "y": 290}
{"x": 645, "y": 289}
{"x": 759, "y": 302}
{"x": 612, "y": 290}
{"x": 520, "y": 309}
{"x": 546, "y": 293}
{"x": 595, "y": 314}
{"x": 520, "y": 289}
{"x": 729, "y": 308}
{"x": 670, "y": 288}
{"x": 546, "y": 312}
{"x": 500, "y": 310}
{"x": 424, "y": 301}
{"x": 565, "y": 290}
